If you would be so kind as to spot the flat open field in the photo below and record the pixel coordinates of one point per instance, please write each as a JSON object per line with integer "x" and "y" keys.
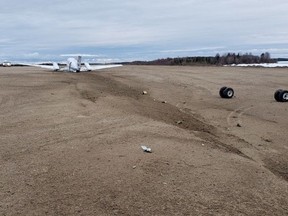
{"x": 70, "y": 144}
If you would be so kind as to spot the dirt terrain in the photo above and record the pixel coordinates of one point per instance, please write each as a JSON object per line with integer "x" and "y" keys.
{"x": 70, "y": 144}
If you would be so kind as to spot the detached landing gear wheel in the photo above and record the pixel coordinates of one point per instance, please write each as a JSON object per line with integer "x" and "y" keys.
{"x": 283, "y": 96}
{"x": 276, "y": 95}
{"x": 226, "y": 92}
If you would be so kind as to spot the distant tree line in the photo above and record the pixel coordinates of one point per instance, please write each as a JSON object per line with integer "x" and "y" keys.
{"x": 226, "y": 59}
{"x": 248, "y": 58}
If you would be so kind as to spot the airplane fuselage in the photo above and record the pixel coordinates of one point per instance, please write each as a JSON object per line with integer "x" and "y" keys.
{"x": 73, "y": 65}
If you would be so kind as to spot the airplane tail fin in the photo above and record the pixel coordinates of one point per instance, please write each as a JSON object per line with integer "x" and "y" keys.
{"x": 79, "y": 62}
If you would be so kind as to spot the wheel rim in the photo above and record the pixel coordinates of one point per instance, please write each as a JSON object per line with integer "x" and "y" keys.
{"x": 285, "y": 96}
{"x": 230, "y": 93}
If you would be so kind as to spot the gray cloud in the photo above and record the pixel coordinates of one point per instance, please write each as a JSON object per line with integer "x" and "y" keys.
{"x": 150, "y": 27}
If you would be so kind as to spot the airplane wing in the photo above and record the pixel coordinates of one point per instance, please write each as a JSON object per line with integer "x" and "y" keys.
{"x": 74, "y": 65}
{"x": 88, "y": 67}
{"x": 54, "y": 67}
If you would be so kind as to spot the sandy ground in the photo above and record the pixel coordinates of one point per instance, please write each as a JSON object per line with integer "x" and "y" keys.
{"x": 70, "y": 143}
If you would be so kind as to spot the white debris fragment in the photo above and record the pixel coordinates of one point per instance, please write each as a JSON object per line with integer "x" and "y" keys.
{"x": 146, "y": 149}
{"x": 144, "y": 92}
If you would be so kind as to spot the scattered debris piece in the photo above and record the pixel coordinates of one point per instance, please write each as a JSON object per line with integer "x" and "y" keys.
{"x": 164, "y": 102}
{"x": 134, "y": 167}
{"x": 266, "y": 140}
{"x": 203, "y": 144}
{"x": 179, "y": 122}
{"x": 145, "y": 93}
{"x": 146, "y": 149}
{"x": 239, "y": 125}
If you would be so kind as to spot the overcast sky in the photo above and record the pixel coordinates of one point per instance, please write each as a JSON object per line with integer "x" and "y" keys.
{"x": 141, "y": 29}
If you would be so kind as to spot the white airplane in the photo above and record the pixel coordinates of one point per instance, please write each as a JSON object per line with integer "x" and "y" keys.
{"x": 75, "y": 65}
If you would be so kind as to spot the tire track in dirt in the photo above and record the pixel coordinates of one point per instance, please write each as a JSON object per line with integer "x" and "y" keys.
{"x": 237, "y": 115}
{"x": 277, "y": 167}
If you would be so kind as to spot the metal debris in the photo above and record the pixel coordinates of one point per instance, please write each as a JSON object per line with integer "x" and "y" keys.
{"x": 146, "y": 149}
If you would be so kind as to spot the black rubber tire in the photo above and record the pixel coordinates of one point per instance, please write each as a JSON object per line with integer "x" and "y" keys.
{"x": 283, "y": 96}
{"x": 228, "y": 93}
{"x": 221, "y": 91}
{"x": 276, "y": 95}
